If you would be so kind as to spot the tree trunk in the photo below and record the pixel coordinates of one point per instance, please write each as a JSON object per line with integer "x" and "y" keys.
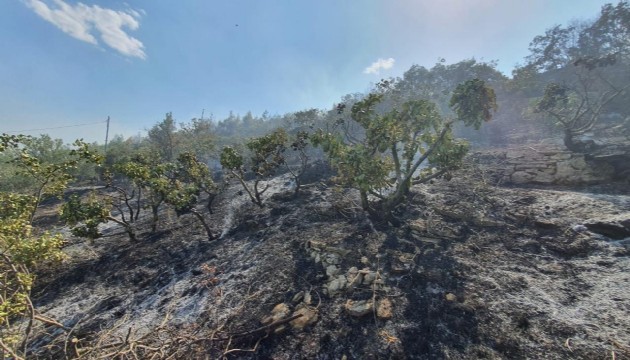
{"x": 579, "y": 146}
{"x": 297, "y": 187}
{"x": 127, "y": 226}
{"x": 154, "y": 221}
{"x": 204, "y": 223}
{"x": 257, "y": 194}
{"x": 364, "y": 200}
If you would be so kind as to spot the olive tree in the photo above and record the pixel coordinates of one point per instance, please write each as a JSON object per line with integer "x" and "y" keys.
{"x": 266, "y": 156}
{"x": 576, "y": 106}
{"x": 23, "y": 249}
{"x": 409, "y": 144}
{"x": 191, "y": 178}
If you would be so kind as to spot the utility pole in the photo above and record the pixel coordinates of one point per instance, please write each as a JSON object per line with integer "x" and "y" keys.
{"x": 106, "y": 135}
{"x": 202, "y": 111}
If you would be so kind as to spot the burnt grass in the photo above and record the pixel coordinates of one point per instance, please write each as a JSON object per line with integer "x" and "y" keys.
{"x": 472, "y": 270}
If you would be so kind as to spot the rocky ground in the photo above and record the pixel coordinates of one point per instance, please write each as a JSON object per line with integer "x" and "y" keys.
{"x": 466, "y": 270}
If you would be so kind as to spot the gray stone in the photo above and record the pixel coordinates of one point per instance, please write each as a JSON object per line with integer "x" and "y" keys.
{"x": 369, "y": 278}
{"x": 298, "y": 297}
{"x": 359, "y": 308}
{"x": 521, "y": 177}
{"x": 336, "y": 285}
{"x": 545, "y": 177}
{"x": 332, "y": 270}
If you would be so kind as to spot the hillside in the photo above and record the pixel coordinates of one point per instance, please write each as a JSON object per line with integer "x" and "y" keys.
{"x": 469, "y": 270}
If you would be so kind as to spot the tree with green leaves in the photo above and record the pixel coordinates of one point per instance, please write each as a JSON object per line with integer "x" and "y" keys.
{"x": 266, "y": 156}
{"x": 578, "y": 76}
{"x": 48, "y": 178}
{"x": 85, "y": 215}
{"x": 163, "y": 137}
{"x": 191, "y": 179}
{"x": 197, "y": 137}
{"x": 410, "y": 144}
{"x": 152, "y": 178}
{"x": 576, "y": 107}
{"x": 299, "y": 145}
{"x": 22, "y": 248}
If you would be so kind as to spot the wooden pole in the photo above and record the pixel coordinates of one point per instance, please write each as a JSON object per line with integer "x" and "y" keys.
{"x": 106, "y": 135}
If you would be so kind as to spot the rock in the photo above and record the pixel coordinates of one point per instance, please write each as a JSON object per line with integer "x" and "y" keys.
{"x": 428, "y": 240}
{"x": 613, "y": 230}
{"x": 369, "y": 277}
{"x": 309, "y": 317}
{"x": 521, "y": 177}
{"x": 418, "y": 225}
{"x": 401, "y": 265}
{"x": 486, "y": 222}
{"x": 356, "y": 279}
{"x": 579, "y": 228}
{"x": 454, "y": 213}
{"x": 331, "y": 271}
{"x": 298, "y": 297}
{"x": 359, "y": 308}
{"x": 446, "y": 232}
{"x": 279, "y": 312}
{"x": 533, "y": 166}
{"x": 544, "y": 177}
{"x": 514, "y": 155}
{"x": 450, "y": 297}
{"x": 307, "y": 298}
{"x": 333, "y": 259}
{"x": 384, "y": 310}
{"x": 336, "y": 285}
{"x": 560, "y": 156}
{"x": 546, "y": 224}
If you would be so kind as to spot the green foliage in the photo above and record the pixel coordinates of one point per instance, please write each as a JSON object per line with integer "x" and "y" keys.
{"x": 299, "y": 145}
{"x": 231, "y": 159}
{"x": 266, "y": 156}
{"x": 555, "y": 97}
{"x": 16, "y": 233}
{"x": 395, "y": 143}
{"x": 576, "y": 108}
{"x": 152, "y": 177}
{"x": 48, "y": 178}
{"x": 163, "y": 137}
{"x": 198, "y": 138}
{"x": 21, "y": 250}
{"x": 473, "y": 102}
{"x": 85, "y": 216}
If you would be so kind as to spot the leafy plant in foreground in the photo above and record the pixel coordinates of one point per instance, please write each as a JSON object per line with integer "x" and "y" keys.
{"x": 22, "y": 248}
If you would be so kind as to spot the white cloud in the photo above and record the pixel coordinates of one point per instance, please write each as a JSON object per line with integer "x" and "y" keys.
{"x": 378, "y": 65}
{"x": 82, "y": 22}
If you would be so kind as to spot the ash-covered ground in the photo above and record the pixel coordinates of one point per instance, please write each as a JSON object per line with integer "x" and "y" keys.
{"x": 465, "y": 270}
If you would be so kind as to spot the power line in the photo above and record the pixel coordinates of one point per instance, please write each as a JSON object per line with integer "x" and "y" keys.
{"x": 53, "y": 128}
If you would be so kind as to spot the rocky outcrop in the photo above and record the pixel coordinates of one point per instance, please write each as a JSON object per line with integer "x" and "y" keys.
{"x": 547, "y": 165}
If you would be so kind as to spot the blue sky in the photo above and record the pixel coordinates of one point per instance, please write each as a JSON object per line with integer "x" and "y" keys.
{"x": 65, "y": 62}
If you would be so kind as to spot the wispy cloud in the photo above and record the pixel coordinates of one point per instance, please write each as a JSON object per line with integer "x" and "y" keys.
{"x": 84, "y": 22}
{"x": 378, "y": 65}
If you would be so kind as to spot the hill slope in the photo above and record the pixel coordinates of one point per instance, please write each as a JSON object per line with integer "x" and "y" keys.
{"x": 470, "y": 271}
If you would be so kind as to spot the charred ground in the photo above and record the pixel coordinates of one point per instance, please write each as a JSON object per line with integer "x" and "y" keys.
{"x": 472, "y": 271}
